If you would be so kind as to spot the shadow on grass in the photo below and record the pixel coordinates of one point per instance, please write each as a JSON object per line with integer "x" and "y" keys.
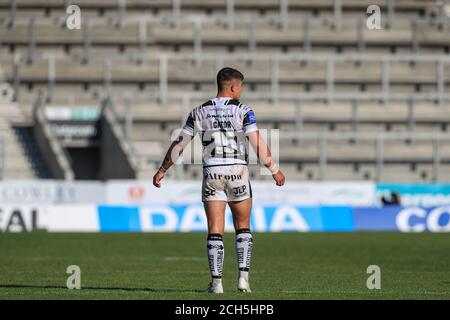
{"x": 150, "y": 290}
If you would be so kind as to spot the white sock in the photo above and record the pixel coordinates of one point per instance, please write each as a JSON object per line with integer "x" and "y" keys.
{"x": 216, "y": 253}
{"x": 244, "y": 245}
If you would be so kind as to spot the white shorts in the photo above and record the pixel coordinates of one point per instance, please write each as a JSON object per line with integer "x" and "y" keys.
{"x": 227, "y": 183}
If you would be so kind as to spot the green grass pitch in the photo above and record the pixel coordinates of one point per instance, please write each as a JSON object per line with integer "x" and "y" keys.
{"x": 174, "y": 266}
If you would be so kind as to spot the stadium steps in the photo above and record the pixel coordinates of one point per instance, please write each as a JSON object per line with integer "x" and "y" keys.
{"x": 17, "y": 165}
{"x": 83, "y": 84}
{"x": 326, "y": 5}
{"x": 51, "y": 32}
{"x": 335, "y": 172}
{"x": 26, "y": 138}
{"x": 110, "y": 8}
{"x": 151, "y": 118}
{"x": 362, "y": 151}
{"x": 68, "y": 71}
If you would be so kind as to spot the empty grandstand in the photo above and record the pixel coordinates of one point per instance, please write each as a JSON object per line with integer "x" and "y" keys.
{"x": 350, "y": 102}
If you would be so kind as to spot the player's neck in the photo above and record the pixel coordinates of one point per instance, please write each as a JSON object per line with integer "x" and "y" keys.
{"x": 224, "y": 95}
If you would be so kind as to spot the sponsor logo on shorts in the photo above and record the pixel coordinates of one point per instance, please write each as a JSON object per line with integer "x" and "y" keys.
{"x": 208, "y": 192}
{"x": 215, "y": 176}
{"x": 240, "y": 190}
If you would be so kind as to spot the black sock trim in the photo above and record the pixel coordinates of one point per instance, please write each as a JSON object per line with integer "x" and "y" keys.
{"x": 215, "y": 236}
{"x": 216, "y": 277}
{"x": 243, "y": 269}
{"x": 244, "y": 230}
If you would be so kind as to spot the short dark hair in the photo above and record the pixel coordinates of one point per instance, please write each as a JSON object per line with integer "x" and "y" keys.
{"x": 227, "y": 74}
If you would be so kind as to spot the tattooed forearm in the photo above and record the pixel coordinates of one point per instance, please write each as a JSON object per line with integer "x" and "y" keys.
{"x": 172, "y": 154}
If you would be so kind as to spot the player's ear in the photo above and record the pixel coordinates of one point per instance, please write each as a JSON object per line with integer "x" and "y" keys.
{"x": 234, "y": 86}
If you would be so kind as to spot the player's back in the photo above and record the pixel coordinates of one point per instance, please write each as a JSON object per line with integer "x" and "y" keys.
{"x": 222, "y": 124}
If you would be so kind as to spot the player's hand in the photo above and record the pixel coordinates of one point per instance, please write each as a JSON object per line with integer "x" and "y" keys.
{"x": 279, "y": 178}
{"x": 159, "y": 175}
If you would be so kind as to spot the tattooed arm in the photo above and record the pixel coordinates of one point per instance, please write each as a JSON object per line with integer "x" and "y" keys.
{"x": 174, "y": 151}
{"x": 265, "y": 156}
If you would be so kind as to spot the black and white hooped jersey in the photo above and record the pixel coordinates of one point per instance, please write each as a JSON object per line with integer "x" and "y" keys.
{"x": 222, "y": 125}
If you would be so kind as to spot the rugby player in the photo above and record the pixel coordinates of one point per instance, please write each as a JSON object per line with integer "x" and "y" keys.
{"x": 225, "y": 126}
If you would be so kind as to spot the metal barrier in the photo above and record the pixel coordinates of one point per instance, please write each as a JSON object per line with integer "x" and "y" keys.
{"x": 286, "y": 22}
{"x": 299, "y": 101}
{"x": 283, "y": 17}
{"x": 330, "y": 94}
{"x": 301, "y": 23}
{"x": 378, "y": 140}
{"x": 55, "y": 156}
{"x": 325, "y": 139}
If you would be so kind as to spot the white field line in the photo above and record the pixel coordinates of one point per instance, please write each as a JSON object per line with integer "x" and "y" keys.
{"x": 185, "y": 258}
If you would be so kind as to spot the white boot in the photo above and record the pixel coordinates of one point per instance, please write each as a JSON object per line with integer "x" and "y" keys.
{"x": 243, "y": 283}
{"x": 215, "y": 286}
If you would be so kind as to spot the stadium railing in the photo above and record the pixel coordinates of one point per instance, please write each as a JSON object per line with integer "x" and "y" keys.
{"x": 437, "y": 141}
{"x": 283, "y": 16}
{"x": 330, "y": 93}
{"x": 55, "y": 156}
{"x": 288, "y": 23}
{"x": 116, "y": 144}
{"x": 379, "y": 162}
{"x": 324, "y": 139}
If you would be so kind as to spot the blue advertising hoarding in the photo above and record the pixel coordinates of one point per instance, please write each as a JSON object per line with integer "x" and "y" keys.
{"x": 422, "y": 195}
{"x": 191, "y": 218}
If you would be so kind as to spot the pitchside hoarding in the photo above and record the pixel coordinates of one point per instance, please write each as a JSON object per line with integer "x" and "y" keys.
{"x": 51, "y": 218}
{"x": 423, "y": 195}
{"x": 51, "y": 192}
{"x": 266, "y": 193}
{"x": 297, "y": 207}
{"x": 191, "y": 218}
{"x": 141, "y": 192}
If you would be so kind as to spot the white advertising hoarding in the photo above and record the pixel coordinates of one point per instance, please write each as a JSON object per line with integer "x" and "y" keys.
{"x": 138, "y": 192}
{"x": 53, "y": 218}
{"x": 308, "y": 193}
{"x": 51, "y": 191}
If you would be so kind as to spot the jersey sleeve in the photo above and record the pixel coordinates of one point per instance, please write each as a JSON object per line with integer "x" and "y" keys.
{"x": 189, "y": 125}
{"x": 249, "y": 121}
